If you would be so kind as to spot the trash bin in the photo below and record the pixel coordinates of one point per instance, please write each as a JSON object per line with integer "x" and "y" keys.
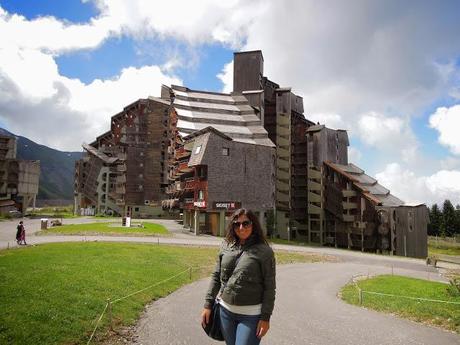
{"x": 44, "y": 223}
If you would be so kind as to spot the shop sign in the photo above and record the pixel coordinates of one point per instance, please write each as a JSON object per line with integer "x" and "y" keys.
{"x": 226, "y": 205}
{"x": 199, "y": 203}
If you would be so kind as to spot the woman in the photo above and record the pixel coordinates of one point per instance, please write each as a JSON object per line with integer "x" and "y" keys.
{"x": 21, "y": 233}
{"x": 243, "y": 282}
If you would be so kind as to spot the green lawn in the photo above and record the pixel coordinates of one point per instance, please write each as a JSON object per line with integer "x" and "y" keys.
{"x": 440, "y": 314}
{"x": 53, "y": 293}
{"x": 147, "y": 229}
{"x": 440, "y": 246}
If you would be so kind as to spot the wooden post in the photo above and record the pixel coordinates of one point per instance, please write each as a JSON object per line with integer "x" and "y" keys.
{"x": 360, "y": 296}
{"x": 391, "y": 269}
{"x": 8, "y": 245}
{"x": 190, "y": 273}
{"x": 109, "y": 303}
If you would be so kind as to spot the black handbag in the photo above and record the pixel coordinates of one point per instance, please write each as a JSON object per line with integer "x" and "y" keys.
{"x": 212, "y": 328}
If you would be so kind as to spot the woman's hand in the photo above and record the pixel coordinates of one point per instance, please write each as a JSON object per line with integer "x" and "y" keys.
{"x": 262, "y": 328}
{"x": 205, "y": 315}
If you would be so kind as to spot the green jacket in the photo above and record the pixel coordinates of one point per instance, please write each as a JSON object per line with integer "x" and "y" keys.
{"x": 245, "y": 275}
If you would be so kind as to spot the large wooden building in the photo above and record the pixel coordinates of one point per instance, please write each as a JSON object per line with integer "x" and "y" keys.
{"x": 204, "y": 154}
{"x": 124, "y": 171}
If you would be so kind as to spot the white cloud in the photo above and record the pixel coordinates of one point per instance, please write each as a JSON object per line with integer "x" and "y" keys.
{"x": 42, "y": 106}
{"x": 334, "y": 121}
{"x": 226, "y": 76}
{"x": 354, "y": 155}
{"x": 407, "y": 185}
{"x": 447, "y": 122}
{"x": 391, "y": 135}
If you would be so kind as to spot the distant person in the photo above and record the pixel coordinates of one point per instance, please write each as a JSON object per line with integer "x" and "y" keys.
{"x": 243, "y": 282}
{"x": 21, "y": 233}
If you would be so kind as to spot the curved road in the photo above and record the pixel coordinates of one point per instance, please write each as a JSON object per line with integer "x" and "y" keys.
{"x": 307, "y": 310}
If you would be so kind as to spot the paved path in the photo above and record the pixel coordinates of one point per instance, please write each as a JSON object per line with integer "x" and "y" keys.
{"x": 307, "y": 308}
{"x": 307, "y": 311}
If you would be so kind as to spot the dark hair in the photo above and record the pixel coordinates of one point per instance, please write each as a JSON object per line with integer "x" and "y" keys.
{"x": 257, "y": 232}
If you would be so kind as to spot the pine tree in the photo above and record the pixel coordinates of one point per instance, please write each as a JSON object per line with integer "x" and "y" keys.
{"x": 434, "y": 227}
{"x": 448, "y": 219}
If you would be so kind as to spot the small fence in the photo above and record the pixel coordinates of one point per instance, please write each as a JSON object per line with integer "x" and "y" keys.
{"x": 362, "y": 292}
{"x": 108, "y": 308}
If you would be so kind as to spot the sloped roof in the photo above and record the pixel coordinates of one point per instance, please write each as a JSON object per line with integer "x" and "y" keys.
{"x": 229, "y": 114}
{"x": 367, "y": 184}
{"x": 99, "y": 154}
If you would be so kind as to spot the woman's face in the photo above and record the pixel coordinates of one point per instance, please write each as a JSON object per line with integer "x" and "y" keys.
{"x": 242, "y": 227}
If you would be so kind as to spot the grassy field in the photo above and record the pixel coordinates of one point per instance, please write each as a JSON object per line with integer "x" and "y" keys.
{"x": 56, "y": 212}
{"x": 440, "y": 314}
{"x": 103, "y": 228}
{"x": 443, "y": 246}
{"x": 52, "y": 294}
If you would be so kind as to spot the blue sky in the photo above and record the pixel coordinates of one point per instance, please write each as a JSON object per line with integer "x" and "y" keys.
{"x": 388, "y": 72}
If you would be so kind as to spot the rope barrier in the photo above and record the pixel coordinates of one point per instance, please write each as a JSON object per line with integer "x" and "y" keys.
{"x": 408, "y": 297}
{"x": 148, "y": 287}
{"x": 361, "y": 292}
{"x": 97, "y": 324}
{"x": 110, "y": 303}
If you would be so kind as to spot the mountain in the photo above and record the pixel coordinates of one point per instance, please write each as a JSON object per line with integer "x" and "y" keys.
{"x": 57, "y": 168}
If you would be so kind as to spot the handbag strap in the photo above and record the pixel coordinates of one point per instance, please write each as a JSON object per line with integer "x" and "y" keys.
{"x": 223, "y": 285}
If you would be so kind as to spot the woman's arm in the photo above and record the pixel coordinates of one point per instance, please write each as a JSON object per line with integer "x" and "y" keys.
{"x": 214, "y": 285}
{"x": 268, "y": 266}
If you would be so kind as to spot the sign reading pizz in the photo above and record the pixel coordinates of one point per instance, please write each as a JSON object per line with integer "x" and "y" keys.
{"x": 226, "y": 205}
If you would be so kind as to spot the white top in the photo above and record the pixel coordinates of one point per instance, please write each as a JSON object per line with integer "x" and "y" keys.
{"x": 254, "y": 309}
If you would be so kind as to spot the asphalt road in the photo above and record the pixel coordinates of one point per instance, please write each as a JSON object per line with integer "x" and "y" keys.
{"x": 307, "y": 311}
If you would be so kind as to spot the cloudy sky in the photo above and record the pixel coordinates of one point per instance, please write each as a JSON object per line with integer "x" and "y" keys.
{"x": 387, "y": 71}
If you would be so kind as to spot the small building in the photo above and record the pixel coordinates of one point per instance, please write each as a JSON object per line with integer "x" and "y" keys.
{"x": 19, "y": 179}
{"x": 217, "y": 175}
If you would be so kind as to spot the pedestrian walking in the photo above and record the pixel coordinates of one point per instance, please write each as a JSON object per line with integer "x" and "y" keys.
{"x": 21, "y": 233}
{"x": 243, "y": 282}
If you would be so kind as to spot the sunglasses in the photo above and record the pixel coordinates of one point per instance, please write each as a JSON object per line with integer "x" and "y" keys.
{"x": 245, "y": 224}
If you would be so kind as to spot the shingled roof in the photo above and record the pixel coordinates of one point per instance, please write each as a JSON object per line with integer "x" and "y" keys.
{"x": 229, "y": 114}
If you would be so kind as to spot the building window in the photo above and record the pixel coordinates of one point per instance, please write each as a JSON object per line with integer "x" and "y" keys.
{"x": 141, "y": 176}
{"x": 136, "y": 209}
{"x": 200, "y": 195}
{"x": 225, "y": 151}
{"x": 198, "y": 149}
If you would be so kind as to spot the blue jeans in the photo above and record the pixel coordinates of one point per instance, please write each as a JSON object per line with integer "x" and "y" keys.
{"x": 239, "y": 329}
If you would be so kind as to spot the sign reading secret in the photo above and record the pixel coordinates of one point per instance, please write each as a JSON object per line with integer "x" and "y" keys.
{"x": 226, "y": 205}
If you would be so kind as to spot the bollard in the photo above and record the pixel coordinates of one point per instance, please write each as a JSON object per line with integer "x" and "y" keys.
{"x": 109, "y": 303}
{"x": 391, "y": 269}
{"x": 8, "y": 245}
{"x": 360, "y": 296}
{"x": 158, "y": 240}
{"x": 190, "y": 273}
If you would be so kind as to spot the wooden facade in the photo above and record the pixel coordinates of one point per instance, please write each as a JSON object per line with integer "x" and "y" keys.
{"x": 124, "y": 170}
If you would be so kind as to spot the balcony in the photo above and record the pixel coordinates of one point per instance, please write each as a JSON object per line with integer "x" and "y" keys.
{"x": 121, "y": 179}
{"x": 348, "y": 193}
{"x": 121, "y": 168}
{"x": 120, "y": 189}
{"x": 122, "y": 156}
